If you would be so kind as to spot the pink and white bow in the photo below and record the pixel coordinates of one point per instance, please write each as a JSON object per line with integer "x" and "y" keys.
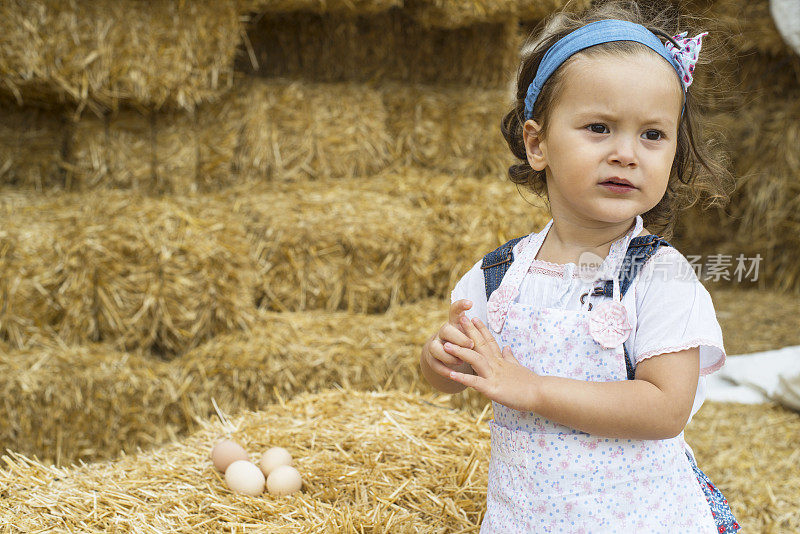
{"x": 686, "y": 56}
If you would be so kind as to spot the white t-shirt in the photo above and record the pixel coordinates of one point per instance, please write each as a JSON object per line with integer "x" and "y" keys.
{"x": 668, "y": 308}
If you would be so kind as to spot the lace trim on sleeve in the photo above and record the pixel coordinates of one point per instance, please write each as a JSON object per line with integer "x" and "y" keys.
{"x": 688, "y": 345}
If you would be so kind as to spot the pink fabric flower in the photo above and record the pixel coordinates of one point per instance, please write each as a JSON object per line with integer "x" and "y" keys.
{"x": 608, "y": 324}
{"x": 498, "y": 304}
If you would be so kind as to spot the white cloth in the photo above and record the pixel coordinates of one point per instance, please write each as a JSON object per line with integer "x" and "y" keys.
{"x": 668, "y": 308}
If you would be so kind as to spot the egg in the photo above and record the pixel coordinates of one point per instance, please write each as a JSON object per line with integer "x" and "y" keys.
{"x": 226, "y": 452}
{"x": 244, "y": 477}
{"x": 284, "y": 480}
{"x": 274, "y": 457}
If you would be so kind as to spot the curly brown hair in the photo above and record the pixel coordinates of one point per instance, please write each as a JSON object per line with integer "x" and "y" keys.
{"x": 700, "y": 167}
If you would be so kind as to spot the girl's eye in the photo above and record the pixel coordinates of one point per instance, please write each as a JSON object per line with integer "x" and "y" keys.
{"x": 598, "y": 128}
{"x": 653, "y": 135}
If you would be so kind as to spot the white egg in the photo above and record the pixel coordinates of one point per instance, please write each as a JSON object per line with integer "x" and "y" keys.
{"x": 284, "y": 480}
{"x": 226, "y": 452}
{"x": 274, "y": 457}
{"x": 244, "y": 477}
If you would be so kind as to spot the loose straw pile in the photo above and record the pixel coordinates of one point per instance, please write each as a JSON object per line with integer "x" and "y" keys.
{"x": 388, "y": 461}
{"x": 382, "y": 462}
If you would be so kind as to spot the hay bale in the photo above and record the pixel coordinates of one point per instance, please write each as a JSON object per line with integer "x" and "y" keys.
{"x": 97, "y": 268}
{"x": 21, "y": 251}
{"x": 157, "y": 153}
{"x": 65, "y": 404}
{"x": 114, "y": 152}
{"x": 31, "y": 147}
{"x": 450, "y": 129}
{"x": 287, "y": 353}
{"x": 353, "y": 7}
{"x": 294, "y": 129}
{"x": 369, "y": 461}
{"x": 133, "y": 271}
{"x": 100, "y": 54}
{"x": 388, "y": 46}
{"x": 750, "y": 452}
{"x": 380, "y": 247}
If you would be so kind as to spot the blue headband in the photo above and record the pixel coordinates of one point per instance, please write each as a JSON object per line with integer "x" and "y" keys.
{"x": 594, "y": 33}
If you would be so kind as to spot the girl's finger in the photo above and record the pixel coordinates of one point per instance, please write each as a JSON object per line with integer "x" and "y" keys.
{"x": 440, "y": 368}
{"x": 487, "y": 336}
{"x": 473, "y": 358}
{"x": 473, "y": 381}
{"x": 453, "y": 334}
{"x": 471, "y": 331}
{"x": 437, "y": 351}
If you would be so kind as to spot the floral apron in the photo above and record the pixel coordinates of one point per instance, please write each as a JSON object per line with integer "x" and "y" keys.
{"x": 546, "y": 477}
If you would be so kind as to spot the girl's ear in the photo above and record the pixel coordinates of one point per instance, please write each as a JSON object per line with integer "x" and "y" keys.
{"x": 531, "y": 135}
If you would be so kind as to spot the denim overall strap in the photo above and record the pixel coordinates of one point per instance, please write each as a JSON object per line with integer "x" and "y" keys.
{"x": 496, "y": 263}
{"x": 639, "y": 251}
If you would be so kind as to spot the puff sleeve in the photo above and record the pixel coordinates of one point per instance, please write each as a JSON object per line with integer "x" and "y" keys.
{"x": 471, "y": 286}
{"x": 675, "y": 312}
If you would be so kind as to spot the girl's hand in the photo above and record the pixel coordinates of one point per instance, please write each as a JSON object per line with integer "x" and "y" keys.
{"x": 500, "y": 376}
{"x": 438, "y": 359}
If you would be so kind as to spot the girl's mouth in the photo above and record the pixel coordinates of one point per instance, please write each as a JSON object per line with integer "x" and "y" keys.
{"x": 617, "y": 187}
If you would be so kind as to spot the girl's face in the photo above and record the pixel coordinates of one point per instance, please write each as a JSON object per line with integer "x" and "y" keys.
{"x": 615, "y": 117}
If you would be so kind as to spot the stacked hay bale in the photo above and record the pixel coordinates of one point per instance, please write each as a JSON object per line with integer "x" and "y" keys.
{"x": 138, "y": 272}
{"x": 101, "y": 55}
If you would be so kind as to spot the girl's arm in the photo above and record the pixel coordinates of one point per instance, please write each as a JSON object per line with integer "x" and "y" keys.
{"x": 655, "y": 405}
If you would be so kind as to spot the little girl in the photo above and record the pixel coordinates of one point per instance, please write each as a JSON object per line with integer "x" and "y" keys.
{"x": 601, "y": 368}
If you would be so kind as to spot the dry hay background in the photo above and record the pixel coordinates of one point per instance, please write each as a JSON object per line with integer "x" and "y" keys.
{"x": 99, "y": 54}
{"x": 377, "y": 461}
{"x": 175, "y": 238}
{"x": 209, "y": 124}
{"x": 331, "y": 48}
{"x": 165, "y": 274}
{"x": 756, "y": 106}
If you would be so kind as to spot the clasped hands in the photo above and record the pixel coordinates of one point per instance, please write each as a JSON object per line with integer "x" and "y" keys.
{"x": 499, "y": 375}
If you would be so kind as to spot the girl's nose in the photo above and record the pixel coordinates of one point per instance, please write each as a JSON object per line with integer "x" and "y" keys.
{"x": 623, "y": 154}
